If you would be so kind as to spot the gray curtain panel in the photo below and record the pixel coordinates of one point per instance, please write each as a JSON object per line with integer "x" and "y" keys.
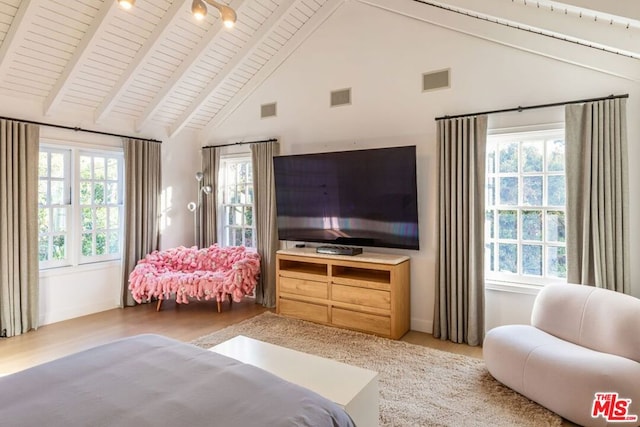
{"x": 143, "y": 185}
{"x": 262, "y": 155}
{"x": 19, "y": 146}
{"x": 208, "y": 219}
{"x": 597, "y": 194}
{"x": 459, "y": 297}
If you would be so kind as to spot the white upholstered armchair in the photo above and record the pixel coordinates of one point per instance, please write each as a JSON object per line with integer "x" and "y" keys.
{"x": 582, "y": 341}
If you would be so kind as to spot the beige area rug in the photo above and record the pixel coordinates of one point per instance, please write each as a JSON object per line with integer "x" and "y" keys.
{"x": 418, "y": 386}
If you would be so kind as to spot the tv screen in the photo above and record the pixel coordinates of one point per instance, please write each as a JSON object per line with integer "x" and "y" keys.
{"x": 362, "y": 197}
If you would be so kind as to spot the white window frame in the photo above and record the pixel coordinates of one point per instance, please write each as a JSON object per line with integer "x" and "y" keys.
{"x": 66, "y": 180}
{"x": 74, "y": 257}
{"x": 223, "y": 200}
{"x": 498, "y": 279}
{"x": 119, "y": 206}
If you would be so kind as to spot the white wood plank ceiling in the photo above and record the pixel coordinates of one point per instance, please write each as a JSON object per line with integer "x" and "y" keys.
{"x": 155, "y": 65}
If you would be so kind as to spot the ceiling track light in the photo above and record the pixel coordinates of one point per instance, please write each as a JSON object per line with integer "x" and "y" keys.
{"x": 227, "y": 14}
{"x": 199, "y": 10}
{"x": 126, "y": 4}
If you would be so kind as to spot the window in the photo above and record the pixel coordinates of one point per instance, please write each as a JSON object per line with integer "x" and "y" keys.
{"x": 525, "y": 235}
{"x": 54, "y": 210}
{"x": 100, "y": 205}
{"x": 80, "y": 206}
{"x": 236, "y": 207}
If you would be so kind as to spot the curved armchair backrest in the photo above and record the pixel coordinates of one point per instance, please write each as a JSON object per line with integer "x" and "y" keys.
{"x": 599, "y": 319}
{"x": 179, "y": 258}
{"x": 223, "y": 258}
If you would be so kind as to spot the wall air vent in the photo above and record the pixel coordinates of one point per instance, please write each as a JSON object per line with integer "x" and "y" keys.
{"x": 268, "y": 110}
{"x": 436, "y": 80}
{"x": 341, "y": 97}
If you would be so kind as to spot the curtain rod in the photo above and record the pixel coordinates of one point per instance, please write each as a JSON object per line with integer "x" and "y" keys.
{"x": 78, "y": 129}
{"x": 242, "y": 143}
{"x": 532, "y": 107}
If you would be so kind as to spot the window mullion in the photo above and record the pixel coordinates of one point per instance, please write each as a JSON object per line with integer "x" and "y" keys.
{"x": 532, "y": 152}
{"x": 75, "y": 206}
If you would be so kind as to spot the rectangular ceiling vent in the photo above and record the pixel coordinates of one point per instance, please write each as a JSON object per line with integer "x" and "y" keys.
{"x": 341, "y": 97}
{"x": 436, "y": 80}
{"x": 268, "y": 110}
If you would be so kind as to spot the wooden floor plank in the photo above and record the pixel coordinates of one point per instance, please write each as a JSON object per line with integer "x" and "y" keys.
{"x": 184, "y": 322}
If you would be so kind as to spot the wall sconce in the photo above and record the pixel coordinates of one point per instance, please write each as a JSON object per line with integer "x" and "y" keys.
{"x": 195, "y": 206}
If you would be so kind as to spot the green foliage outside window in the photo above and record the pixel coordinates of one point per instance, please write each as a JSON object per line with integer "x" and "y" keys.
{"x": 237, "y": 202}
{"x": 525, "y": 231}
{"x": 98, "y": 204}
{"x": 508, "y": 159}
{"x": 532, "y": 260}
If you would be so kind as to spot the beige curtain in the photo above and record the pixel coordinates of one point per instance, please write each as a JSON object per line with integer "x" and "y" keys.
{"x": 19, "y": 146}
{"x": 265, "y": 219}
{"x": 208, "y": 220}
{"x": 142, "y": 205}
{"x": 459, "y": 297}
{"x": 597, "y": 194}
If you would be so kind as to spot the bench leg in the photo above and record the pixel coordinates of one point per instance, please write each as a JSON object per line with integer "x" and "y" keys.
{"x": 159, "y": 304}
{"x": 225, "y": 296}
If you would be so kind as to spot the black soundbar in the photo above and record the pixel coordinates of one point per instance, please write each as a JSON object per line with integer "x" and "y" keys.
{"x": 338, "y": 250}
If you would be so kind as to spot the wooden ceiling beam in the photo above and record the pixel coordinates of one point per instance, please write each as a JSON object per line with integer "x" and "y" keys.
{"x": 95, "y": 31}
{"x": 142, "y": 56}
{"x": 521, "y": 38}
{"x": 245, "y": 52}
{"x": 187, "y": 65}
{"x": 19, "y": 27}
{"x": 560, "y": 20}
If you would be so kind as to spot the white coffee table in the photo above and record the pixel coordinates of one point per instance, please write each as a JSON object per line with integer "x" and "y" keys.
{"x": 353, "y": 388}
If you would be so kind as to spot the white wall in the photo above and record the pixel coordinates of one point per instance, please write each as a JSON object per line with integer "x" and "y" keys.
{"x": 381, "y": 56}
{"x": 181, "y": 159}
{"x": 70, "y": 292}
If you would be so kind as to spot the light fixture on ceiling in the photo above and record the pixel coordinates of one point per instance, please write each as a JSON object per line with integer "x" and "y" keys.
{"x": 227, "y": 14}
{"x": 126, "y": 4}
{"x": 199, "y": 10}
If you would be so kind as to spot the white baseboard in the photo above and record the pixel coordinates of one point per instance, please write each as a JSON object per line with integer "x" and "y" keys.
{"x": 77, "y": 311}
{"x": 422, "y": 325}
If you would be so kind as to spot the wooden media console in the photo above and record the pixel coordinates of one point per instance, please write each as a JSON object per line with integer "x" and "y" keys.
{"x": 367, "y": 292}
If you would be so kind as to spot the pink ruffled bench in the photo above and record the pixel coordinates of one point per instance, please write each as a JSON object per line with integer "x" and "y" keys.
{"x": 209, "y": 273}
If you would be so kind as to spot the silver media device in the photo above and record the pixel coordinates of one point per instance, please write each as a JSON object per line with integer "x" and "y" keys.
{"x": 338, "y": 250}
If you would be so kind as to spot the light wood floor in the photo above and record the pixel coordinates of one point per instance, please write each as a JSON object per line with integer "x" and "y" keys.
{"x": 178, "y": 321}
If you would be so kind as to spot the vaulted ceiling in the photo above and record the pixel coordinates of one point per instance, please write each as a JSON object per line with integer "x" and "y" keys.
{"x": 156, "y": 66}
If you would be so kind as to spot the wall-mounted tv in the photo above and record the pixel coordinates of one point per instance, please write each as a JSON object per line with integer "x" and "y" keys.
{"x": 361, "y": 197}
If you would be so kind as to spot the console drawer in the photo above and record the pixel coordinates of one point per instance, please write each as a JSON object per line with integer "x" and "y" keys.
{"x": 361, "y": 296}
{"x": 304, "y": 287}
{"x": 304, "y": 310}
{"x": 380, "y": 325}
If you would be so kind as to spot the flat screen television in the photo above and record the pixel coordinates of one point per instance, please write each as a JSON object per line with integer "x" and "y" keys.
{"x": 361, "y": 197}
